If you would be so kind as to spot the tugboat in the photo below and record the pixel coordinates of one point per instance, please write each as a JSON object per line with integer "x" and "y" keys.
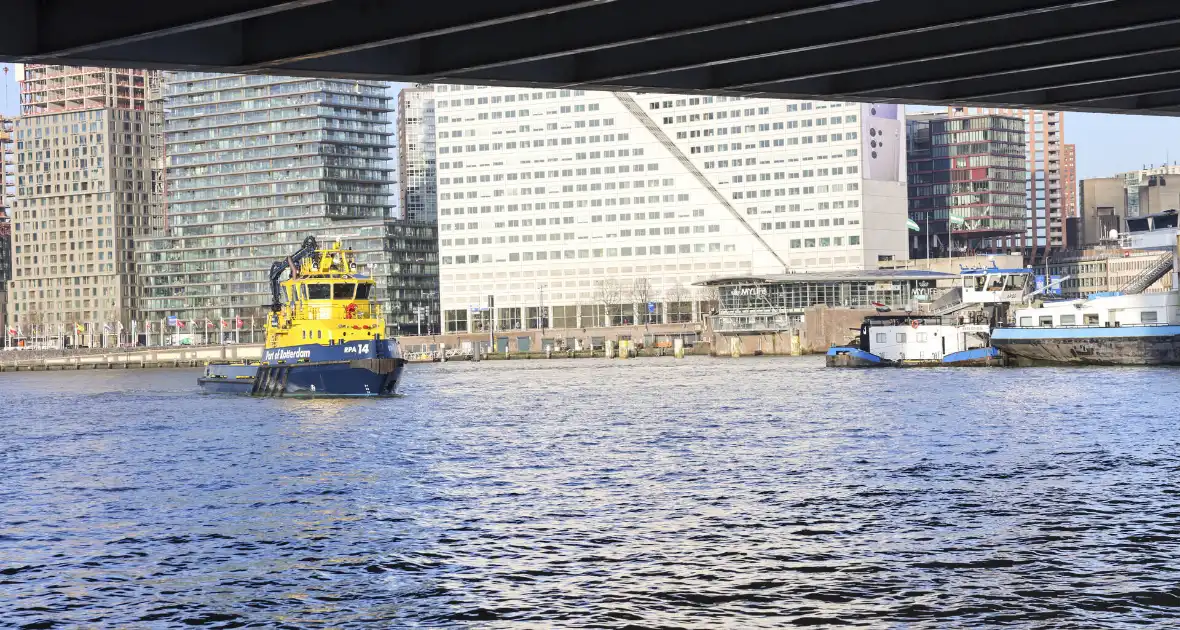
{"x": 325, "y": 339}
{"x": 955, "y": 332}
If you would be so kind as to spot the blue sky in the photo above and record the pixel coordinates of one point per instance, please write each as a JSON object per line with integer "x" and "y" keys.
{"x": 1106, "y": 143}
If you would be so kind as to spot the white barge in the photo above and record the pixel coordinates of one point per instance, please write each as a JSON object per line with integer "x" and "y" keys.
{"x": 956, "y": 333}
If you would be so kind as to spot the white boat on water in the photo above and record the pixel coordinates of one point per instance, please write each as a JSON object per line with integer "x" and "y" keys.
{"x": 956, "y": 330}
{"x": 1104, "y": 329}
{"x": 1127, "y": 327}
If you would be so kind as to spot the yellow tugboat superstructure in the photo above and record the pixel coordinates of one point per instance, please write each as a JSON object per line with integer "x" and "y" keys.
{"x": 326, "y": 302}
{"x": 325, "y": 335}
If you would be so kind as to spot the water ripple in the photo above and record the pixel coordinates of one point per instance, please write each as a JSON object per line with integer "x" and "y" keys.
{"x": 644, "y": 494}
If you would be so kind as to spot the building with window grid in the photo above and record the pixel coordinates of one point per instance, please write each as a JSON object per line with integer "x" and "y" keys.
{"x": 1047, "y": 204}
{"x": 7, "y": 199}
{"x": 966, "y": 182}
{"x": 579, "y": 209}
{"x": 417, "y": 174}
{"x": 255, "y": 164}
{"x": 83, "y": 201}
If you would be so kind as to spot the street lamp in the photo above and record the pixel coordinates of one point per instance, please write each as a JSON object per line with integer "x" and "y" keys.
{"x": 418, "y": 316}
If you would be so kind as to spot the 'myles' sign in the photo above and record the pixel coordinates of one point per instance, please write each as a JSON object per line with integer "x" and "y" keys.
{"x": 748, "y": 291}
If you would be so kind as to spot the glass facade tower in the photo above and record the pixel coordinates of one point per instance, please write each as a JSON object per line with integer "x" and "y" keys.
{"x": 254, "y": 165}
{"x": 966, "y": 182}
{"x": 417, "y": 154}
{"x": 1047, "y": 206}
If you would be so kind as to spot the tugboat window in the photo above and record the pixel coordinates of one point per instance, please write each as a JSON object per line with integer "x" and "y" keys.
{"x": 880, "y": 337}
{"x": 1148, "y": 317}
{"x": 342, "y": 291}
{"x": 900, "y": 337}
{"x": 320, "y": 291}
{"x": 362, "y": 291}
{"x": 1068, "y": 320}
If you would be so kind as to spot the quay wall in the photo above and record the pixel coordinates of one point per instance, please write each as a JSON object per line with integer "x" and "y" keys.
{"x": 825, "y": 327}
{"x": 821, "y": 328}
{"x": 535, "y": 341}
{"x": 24, "y": 360}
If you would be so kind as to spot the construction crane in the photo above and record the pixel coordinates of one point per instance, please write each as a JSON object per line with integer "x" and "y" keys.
{"x": 290, "y": 264}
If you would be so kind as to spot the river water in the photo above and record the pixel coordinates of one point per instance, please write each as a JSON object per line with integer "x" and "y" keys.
{"x": 653, "y": 493}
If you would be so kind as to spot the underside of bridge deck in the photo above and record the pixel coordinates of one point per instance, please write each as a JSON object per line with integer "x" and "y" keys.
{"x": 1095, "y": 55}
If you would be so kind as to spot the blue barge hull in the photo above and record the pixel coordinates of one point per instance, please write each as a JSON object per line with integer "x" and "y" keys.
{"x": 364, "y": 368}
{"x": 855, "y": 357}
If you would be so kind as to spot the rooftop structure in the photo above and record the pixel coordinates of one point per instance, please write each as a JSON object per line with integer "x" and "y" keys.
{"x": 1151, "y": 190}
{"x": 1102, "y": 210}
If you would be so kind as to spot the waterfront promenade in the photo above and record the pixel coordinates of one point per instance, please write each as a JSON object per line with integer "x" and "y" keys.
{"x": 123, "y": 358}
{"x": 821, "y": 329}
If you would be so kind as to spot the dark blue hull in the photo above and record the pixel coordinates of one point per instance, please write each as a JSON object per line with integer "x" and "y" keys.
{"x": 855, "y": 357}
{"x": 221, "y": 386}
{"x": 341, "y": 380}
{"x": 1122, "y": 345}
{"x": 353, "y": 369}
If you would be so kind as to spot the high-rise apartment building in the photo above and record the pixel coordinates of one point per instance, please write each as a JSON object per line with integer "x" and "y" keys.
{"x": 84, "y": 204}
{"x": 418, "y": 176}
{"x": 594, "y": 208}
{"x": 412, "y": 247}
{"x": 255, "y": 164}
{"x": 966, "y": 182}
{"x": 1069, "y": 183}
{"x": 414, "y": 240}
{"x": 1045, "y": 198}
{"x": 7, "y": 198}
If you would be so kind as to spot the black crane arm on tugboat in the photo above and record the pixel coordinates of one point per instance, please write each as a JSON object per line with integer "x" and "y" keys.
{"x": 291, "y": 263}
